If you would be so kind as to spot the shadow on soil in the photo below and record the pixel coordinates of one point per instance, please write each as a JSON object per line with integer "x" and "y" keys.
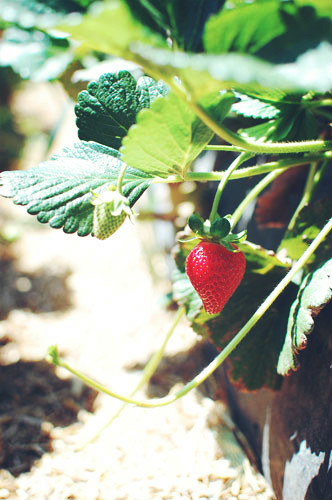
{"x": 40, "y": 292}
{"x": 182, "y": 367}
{"x": 32, "y": 397}
{"x": 31, "y": 394}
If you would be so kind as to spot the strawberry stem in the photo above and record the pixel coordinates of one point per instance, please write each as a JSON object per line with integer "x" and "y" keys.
{"x": 253, "y": 193}
{"x": 237, "y": 140}
{"x": 314, "y": 177}
{"x": 247, "y": 171}
{"x": 258, "y": 147}
{"x": 222, "y": 184}
{"x": 121, "y": 177}
{"x": 148, "y": 371}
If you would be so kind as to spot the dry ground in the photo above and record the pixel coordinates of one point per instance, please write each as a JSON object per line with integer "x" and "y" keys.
{"x": 98, "y": 302}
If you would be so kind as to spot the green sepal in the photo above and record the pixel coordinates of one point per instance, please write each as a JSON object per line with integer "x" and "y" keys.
{"x": 220, "y": 228}
{"x": 196, "y": 223}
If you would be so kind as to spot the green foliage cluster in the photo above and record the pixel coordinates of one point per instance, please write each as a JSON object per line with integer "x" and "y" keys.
{"x": 256, "y": 76}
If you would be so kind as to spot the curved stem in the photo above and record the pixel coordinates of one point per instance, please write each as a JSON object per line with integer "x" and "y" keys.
{"x": 305, "y": 197}
{"x": 248, "y": 171}
{"x": 148, "y": 371}
{"x": 121, "y": 177}
{"x": 253, "y": 193}
{"x": 236, "y": 140}
{"x": 314, "y": 177}
{"x": 221, "y": 147}
{"x": 319, "y": 103}
{"x": 208, "y": 370}
{"x": 222, "y": 184}
{"x": 258, "y": 147}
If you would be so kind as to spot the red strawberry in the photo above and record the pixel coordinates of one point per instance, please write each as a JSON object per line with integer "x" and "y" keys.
{"x": 215, "y": 273}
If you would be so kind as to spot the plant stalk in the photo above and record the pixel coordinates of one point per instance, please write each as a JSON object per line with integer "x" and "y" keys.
{"x": 253, "y": 193}
{"x": 148, "y": 371}
{"x": 248, "y": 171}
{"x": 222, "y": 184}
{"x": 258, "y": 147}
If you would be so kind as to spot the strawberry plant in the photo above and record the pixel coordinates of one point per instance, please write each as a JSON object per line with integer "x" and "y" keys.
{"x": 251, "y": 82}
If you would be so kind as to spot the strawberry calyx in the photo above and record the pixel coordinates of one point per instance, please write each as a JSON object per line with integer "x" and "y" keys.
{"x": 109, "y": 213}
{"x": 117, "y": 204}
{"x": 219, "y": 231}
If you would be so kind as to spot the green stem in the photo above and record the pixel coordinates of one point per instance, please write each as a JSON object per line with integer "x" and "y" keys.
{"x": 121, "y": 177}
{"x": 148, "y": 371}
{"x": 220, "y": 147}
{"x": 222, "y": 184}
{"x": 313, "y": 179}
{"x": 248, "y": 171}
{"x": 253, "y": 193}
{"x": 258, "y": 147}
{"x": 306, "y": 195}
{"x": 208, "y": 370}
{"x": 318, "y": 103}
{"x": 323, "y": 113}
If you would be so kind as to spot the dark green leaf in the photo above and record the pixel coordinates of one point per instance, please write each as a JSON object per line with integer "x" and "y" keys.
{"x": 308, "y": 224}
{"x": 110, "y": 28}
{"x": 292, "y": 124}
{"x": 108, "y": 108}
{"x": 58, "y": 191}
{"x": 182, "y": 21}
{"x": 169, "y": 136}
{"x": 315, "y": 292}
{"x": 303, "y": 31}
{"x": 254, "y": 108}
{"x": 245, "y": 28}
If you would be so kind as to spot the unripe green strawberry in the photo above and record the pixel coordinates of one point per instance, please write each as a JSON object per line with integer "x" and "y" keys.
{"x": 215, "y": 273}
{"x": 104, "y": 223}
{"x": 110, "y": 210}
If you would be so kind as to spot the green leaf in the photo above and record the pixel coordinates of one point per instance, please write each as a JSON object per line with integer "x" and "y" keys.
{"x": 323, "y": 7}
{"x": 110, "y": 28}
{"x": 33, "y": 13}
{"x": 185, "y": 294}
{"x": 182, "y": 21}
{"x": 169, "y": 136}
{"x": 34, "y": 54}
{"x": 260, "y": 260}
{"x": 201, "y": 73}
{"x": 314, "y": 293}
{"x": 245, "y": 28}
{"x": 108, "y": 108}
{"x": 308, "y": 224}
{"x": 304, "y": 30}
{"x": 205, "y": 73}
{"x": 254, "y": 108}
{"x": 253, "y": 363}
{"x": 59, "y": 191}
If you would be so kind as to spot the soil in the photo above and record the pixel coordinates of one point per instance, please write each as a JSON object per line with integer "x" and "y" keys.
{"x": 100, "y": 304}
